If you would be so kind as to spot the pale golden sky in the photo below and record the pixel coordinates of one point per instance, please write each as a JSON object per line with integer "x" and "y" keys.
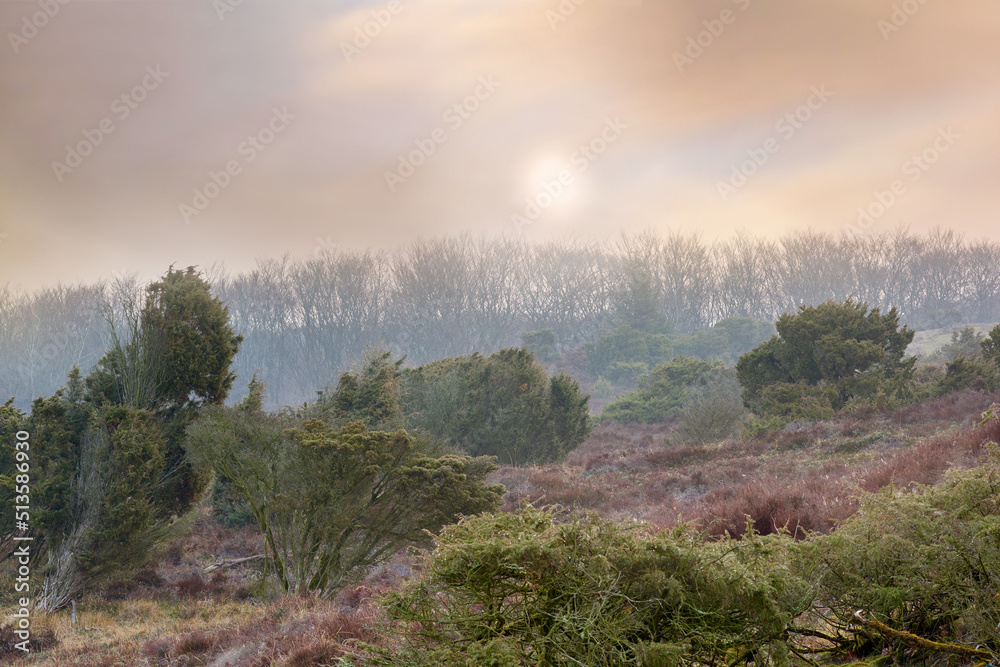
{"x": 311, "y": 122}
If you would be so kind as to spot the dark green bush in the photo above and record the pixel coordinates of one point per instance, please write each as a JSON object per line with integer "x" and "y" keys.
{"x": 844, "y": 347}
{"x": 503, "y": 405}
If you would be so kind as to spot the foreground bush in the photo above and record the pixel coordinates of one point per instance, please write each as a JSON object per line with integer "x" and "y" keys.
{"x": 923, "y": 563}
{"x": 529, "y": 589}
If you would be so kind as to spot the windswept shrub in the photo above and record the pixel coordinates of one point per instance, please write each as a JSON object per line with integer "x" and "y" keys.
{"x": 332, "y": 502}
{"x": 528, "y": 588}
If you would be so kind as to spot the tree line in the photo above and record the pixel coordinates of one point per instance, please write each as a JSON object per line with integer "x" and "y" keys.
{"x": 305, "y": 320}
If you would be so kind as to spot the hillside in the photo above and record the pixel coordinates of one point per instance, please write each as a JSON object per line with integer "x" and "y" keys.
{"x": 805, "y": 477}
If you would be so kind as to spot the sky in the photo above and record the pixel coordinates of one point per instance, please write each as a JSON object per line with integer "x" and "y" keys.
{"x": 136, "y": 134}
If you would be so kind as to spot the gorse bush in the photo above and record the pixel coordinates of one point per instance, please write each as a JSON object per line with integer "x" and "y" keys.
{"x": 530, "y": 588}
{"x": 503, "y": 405}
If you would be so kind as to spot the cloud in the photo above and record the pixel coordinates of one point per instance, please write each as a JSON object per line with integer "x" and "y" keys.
{"x": 325, "y": 176}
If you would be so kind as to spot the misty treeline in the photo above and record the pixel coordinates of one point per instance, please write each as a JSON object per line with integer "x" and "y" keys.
{"x": 305, "y": 320}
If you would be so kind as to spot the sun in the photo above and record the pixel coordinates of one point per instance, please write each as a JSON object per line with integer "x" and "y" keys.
{"x": 550, "y": 182}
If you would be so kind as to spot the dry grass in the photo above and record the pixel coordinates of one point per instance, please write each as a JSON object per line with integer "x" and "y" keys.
{"x": 803, "y": 478}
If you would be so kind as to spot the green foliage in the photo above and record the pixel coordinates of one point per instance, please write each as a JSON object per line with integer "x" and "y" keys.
{"x": 528, "y": 589}
{"x": 109, "y": 470}
{"x": 664, "y": 391}
{"x": 964, "y": 343}
{"x": 504, "y": 405}
{"x": 198, "y": 343}
{"x": 969, "y": 371}
{"x": 924, "y": 562}
{"x": 542, "y": 344}
{"x": 98, "y": 471}
{"x": 372, "y": 395}
{"x": 797, "y": 401}
{"x": 990, "y": 345}
{"x": 856, "y": 352}
{"x": 628, "y": 350}
{"x": 329, "y": 502}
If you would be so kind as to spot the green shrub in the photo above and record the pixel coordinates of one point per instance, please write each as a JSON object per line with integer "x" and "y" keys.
{"x": 703, "y": 344}
{"x": 626, "y": 345}
{"x": 542, "y": 344}
{"x": 331, "y": 503}
{"x": 528, "y": 589}
{"x": 664, "y": 391}
{"x": 797, "y": 401}
{"x": 841, "y": 346}
{"x": 504, "y": 405}
{"x": 372, "y": 395}
{"x": 924, "y": 562}
{"x": 990, "y": 346}
{"x": 963, "y": 372}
